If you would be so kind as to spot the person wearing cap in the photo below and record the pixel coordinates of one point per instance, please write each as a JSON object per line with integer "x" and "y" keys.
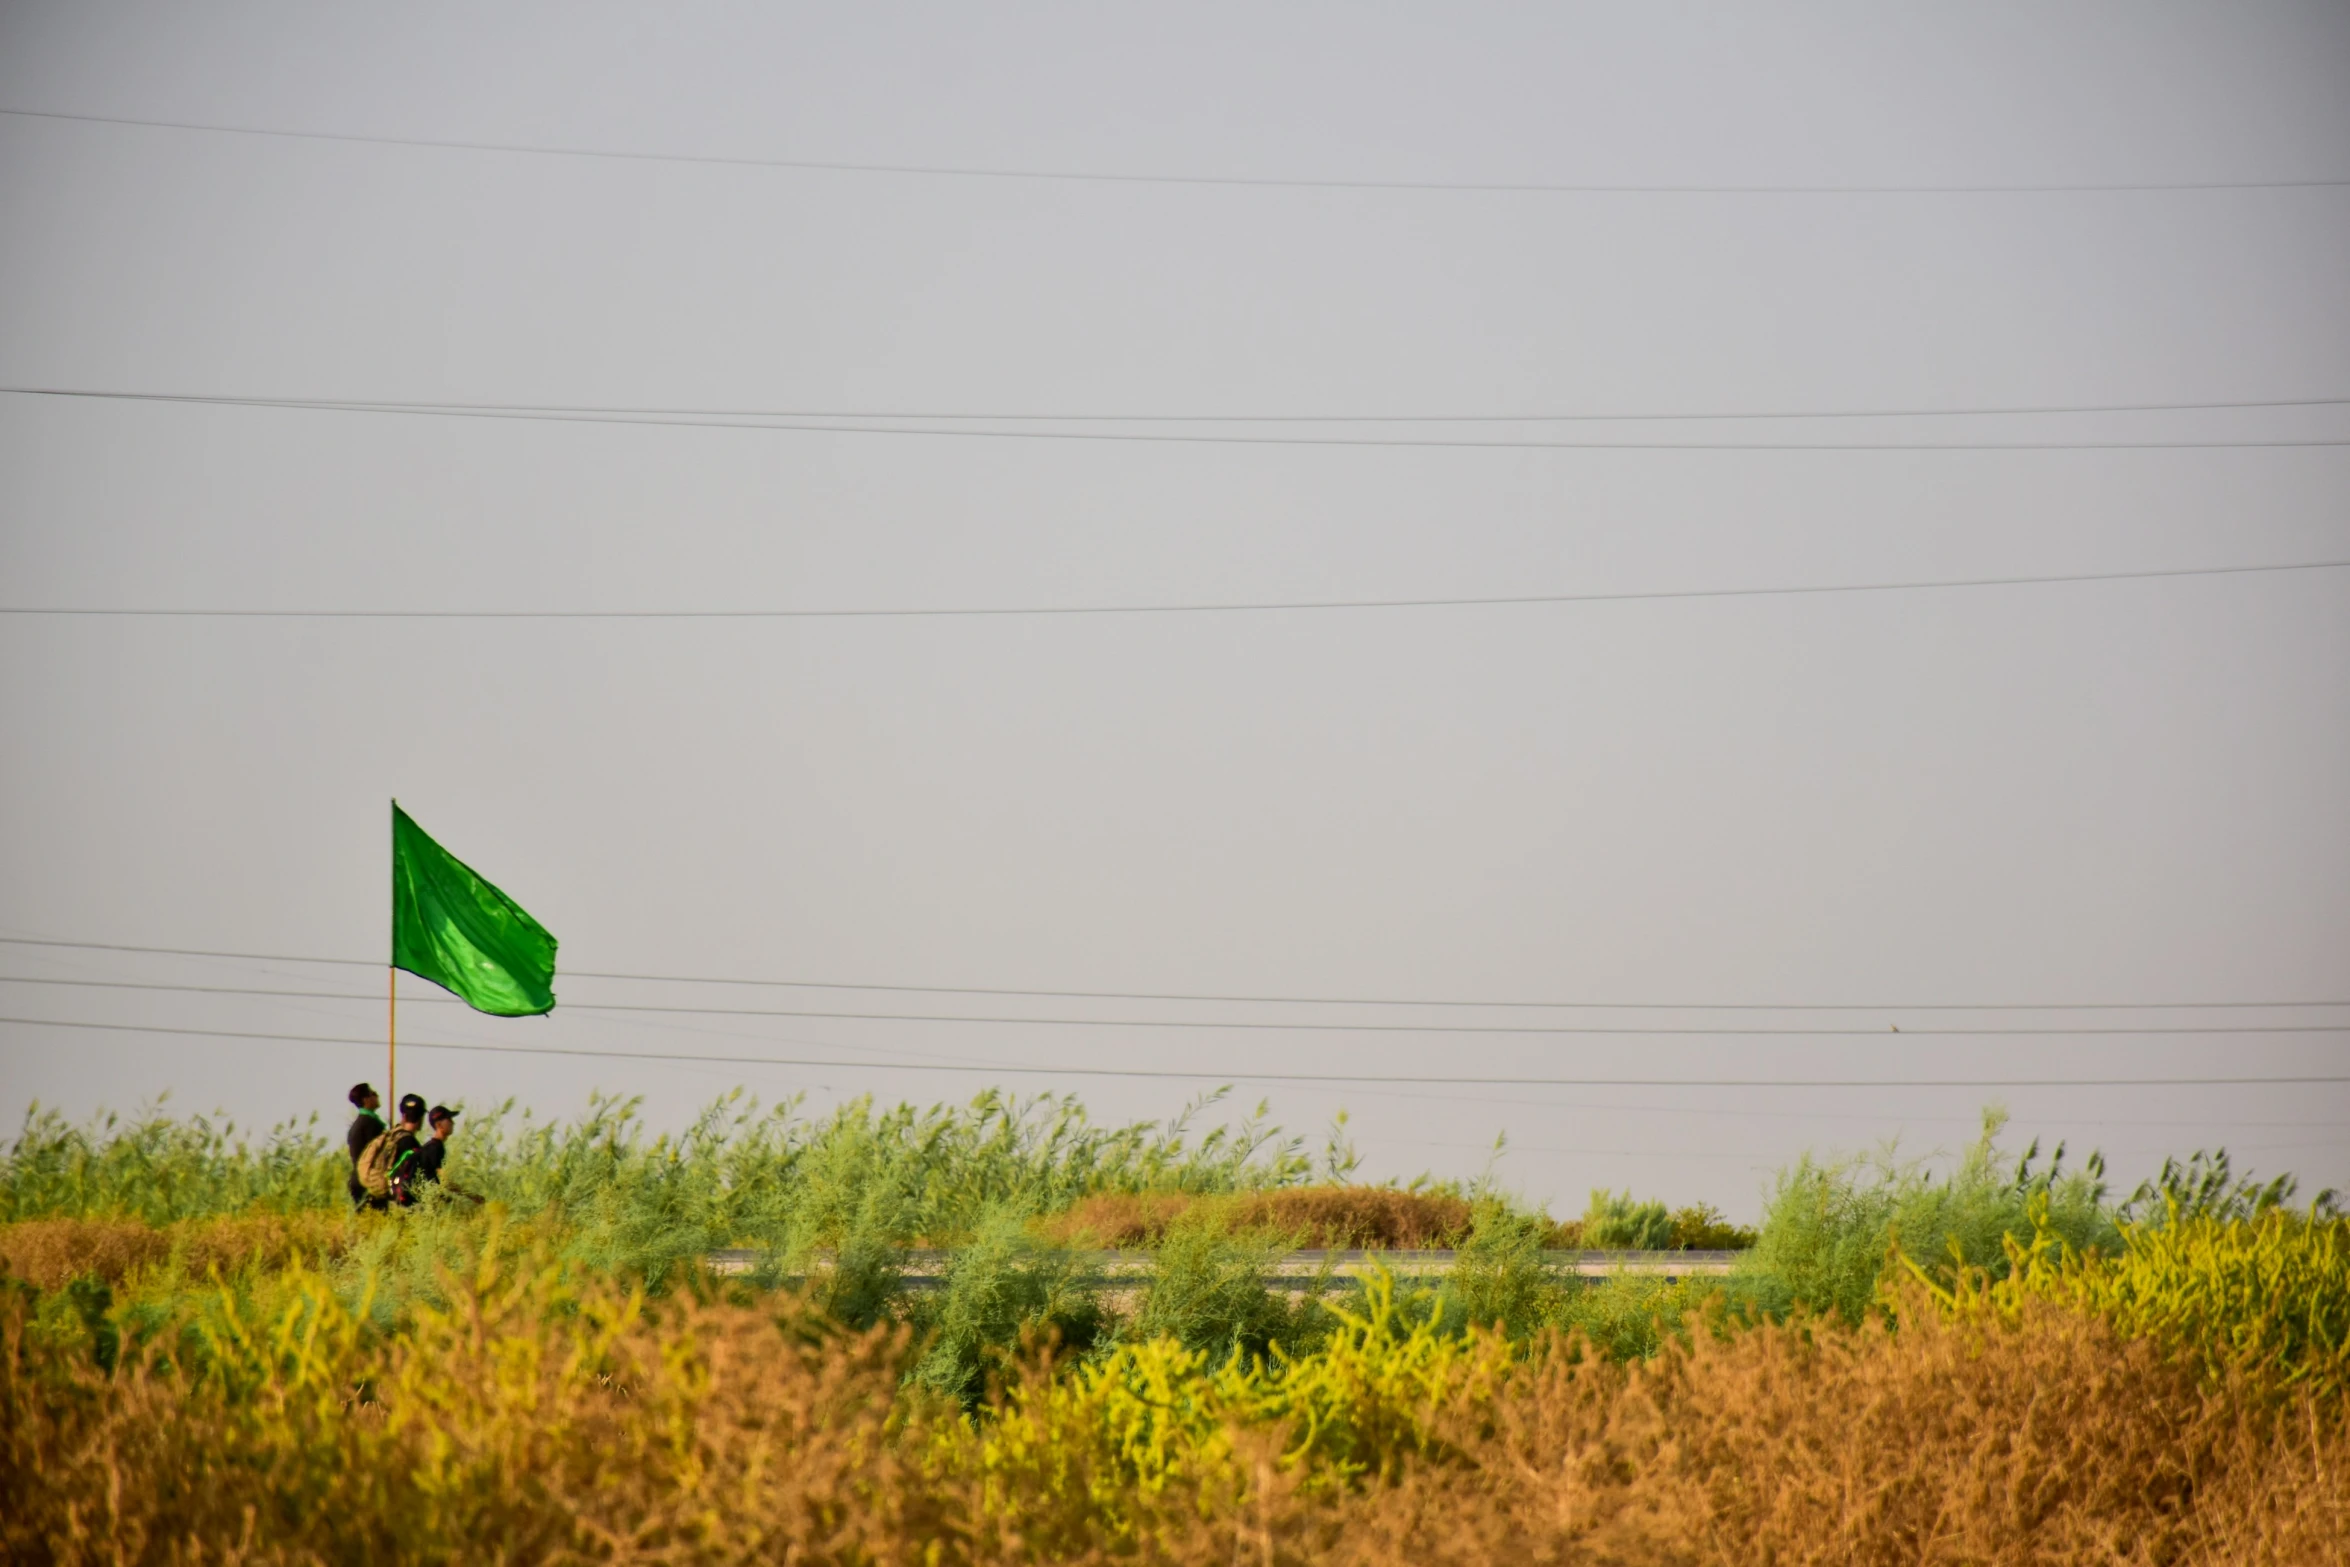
{"x": 366, "y": 1127}
{"x": 407, "y": 1147}
{"x": 435, "y": 1152}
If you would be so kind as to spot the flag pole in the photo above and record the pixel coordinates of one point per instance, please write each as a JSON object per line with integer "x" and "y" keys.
{"x": 392, "y": 985}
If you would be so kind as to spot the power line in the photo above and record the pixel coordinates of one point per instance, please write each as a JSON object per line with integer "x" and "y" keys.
{"x": 430, "y": 410}
{"x": 1677, "y": 1154}
{"x": 1963, "y": 1118}
{"x": 1217, "y": 1077}
{"x": 1080, "y": 610}
{"x": 1075, "y": 176}
{"x": 392, "y": 404}
{"x": 1314, "y": 1001}
{"x": 377, "y": 999}
{"x": 1259, "y": 1026}
{"x": 188, "y": 952}
{"x": 1588, "y": 1006}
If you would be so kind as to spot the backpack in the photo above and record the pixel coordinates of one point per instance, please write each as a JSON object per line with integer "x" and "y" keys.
{"x": 374, "y": 1167}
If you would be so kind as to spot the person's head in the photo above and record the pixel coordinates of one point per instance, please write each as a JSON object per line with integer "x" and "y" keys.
{"x": 412, "y": 1110}
{"x": 364, "y": 1098}
{"x": 443, "y": 1119}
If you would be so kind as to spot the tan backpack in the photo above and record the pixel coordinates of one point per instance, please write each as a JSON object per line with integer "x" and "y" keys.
{"x": 374, "y": 1168}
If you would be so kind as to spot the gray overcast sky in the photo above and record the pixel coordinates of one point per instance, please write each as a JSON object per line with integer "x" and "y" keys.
{"x": 2099, "y": 792}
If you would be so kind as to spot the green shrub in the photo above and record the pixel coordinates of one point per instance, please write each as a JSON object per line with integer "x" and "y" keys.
{"x": 2206, "y": 1186}
{"x": 1499, "y": 1278}
{"x": 1001, "y": 1290}
{"x": 1829, "y": 1229}
{"x": 1614, "y": 1222}
{"x": 1703, "y": 1227}
{"x": 633, "y": 1202}
{"x": 159, "y": 1169}
{"x": 1207, "y": 1291}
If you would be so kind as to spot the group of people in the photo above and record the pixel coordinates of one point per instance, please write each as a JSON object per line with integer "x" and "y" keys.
{"x": 391, "y": 1166}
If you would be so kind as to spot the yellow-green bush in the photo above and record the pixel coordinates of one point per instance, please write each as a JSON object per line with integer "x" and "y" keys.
{"x": 539, "y": 1414}
{"x": 1155, "y": 1413}
{"x": 2266, "y": 1297}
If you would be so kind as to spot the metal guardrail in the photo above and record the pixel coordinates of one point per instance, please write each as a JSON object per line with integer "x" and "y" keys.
{"x": 1297, "y": 1270}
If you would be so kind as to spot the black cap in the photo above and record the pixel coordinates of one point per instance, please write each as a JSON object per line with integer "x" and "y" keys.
{"x": 411, "y": 1104}
{"x": 440, "y": 1112}
{"x": 359, "y": 1094}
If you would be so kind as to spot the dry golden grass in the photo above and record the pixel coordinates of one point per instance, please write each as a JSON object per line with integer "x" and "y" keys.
{"x": 259, "y": 1240}
{"x": 49, "y": 1252}
{"x": 543, "y": 1419}
{"x": 521, "y": 1425}
{"x": 1365, "y": 1217}
{"x": 1116, "y": 1219}
{"x": 2048, "y": 1442}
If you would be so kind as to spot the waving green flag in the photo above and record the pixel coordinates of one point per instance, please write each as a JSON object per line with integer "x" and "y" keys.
{"x": 455, "y": 929}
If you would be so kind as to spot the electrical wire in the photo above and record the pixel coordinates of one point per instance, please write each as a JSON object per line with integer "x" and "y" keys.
{"x": 1260, "y": 1026}
{"x": 426, "y": 410}
{"x": 1071, "y": 611}
{"x": 1419, "y": 1094}
{"x": 389, "y": 404}
{"x": 1078, "y": 176}
{"x": 1220, "y": 1077}
{"x": 1317, "y": 1001}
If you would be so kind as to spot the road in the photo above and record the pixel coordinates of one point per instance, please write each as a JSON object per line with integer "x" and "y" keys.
{"x": 1300, "y": 1270}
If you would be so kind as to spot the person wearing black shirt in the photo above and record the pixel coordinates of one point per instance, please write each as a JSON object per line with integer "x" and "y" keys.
{"x": 406, "y": 1148}
{"x": 443, "y": 1121}
{"x": 435, "y": 1153}
{"x": 366, "y": 1127}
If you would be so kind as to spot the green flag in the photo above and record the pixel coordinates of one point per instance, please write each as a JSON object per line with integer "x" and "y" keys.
{"x": 455, "y": 929}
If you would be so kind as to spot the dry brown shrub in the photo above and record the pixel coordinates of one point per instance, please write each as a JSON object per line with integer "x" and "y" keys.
{"x": 534, "y": 1422}
{"x": 713, "y": 1438}
{"x": 2053, "y": 1443}
{"x": 1369, "y": 1217}
{"x": 1116, "y": 1219}
{"x": 268, "y": 1240}
{"x": 49, "y": 1253}
{"x": 1364, "y": 1217}
{"x": 2286, "y": 1495}
{"x": 501, "y": 1430}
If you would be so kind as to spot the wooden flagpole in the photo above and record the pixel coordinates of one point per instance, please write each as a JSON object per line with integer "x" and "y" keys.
{"x": 392, "y": 993}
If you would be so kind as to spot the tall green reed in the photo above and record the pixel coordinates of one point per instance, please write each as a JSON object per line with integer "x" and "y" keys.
{"x": 1830, "y": 1227}
{"x": 159, "y": 1168}
{"x": 627, "y": 1197}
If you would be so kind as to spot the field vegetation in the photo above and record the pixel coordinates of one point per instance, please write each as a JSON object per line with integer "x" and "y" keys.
{"x": 204, "y": 1355}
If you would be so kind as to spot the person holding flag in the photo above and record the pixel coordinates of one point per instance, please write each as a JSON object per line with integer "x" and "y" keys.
{"x": 401, "y": 1166}
{"x": 366, "y": 1126}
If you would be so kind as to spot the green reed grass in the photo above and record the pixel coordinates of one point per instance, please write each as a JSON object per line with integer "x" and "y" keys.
{"x": 1831, "y": 1225}
{"x": 835, "y": 1200}
{"x": 862, "y": 1182}
{"x": 161, "y": 1168}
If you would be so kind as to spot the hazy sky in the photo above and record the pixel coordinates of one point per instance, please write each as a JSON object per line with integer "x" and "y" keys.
{"x": 2108, "y": 792}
